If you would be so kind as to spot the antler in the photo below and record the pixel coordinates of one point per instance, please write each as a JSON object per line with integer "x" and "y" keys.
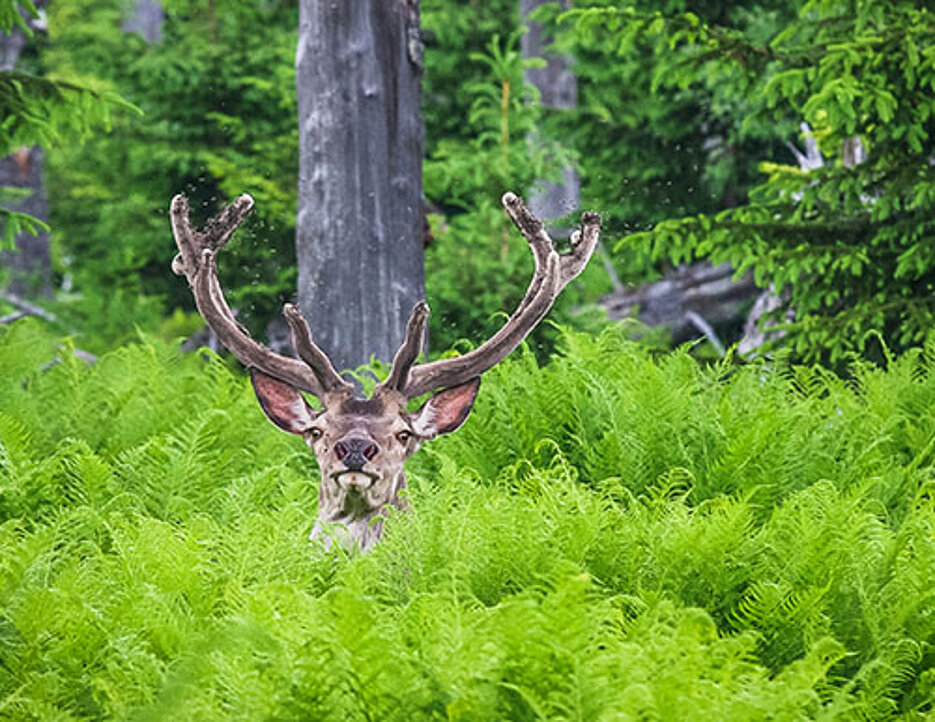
{"x": 196, "y": 260}
{"x": 553, "y": 272}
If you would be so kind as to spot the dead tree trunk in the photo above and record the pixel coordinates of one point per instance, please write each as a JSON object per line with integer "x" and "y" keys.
{"x": 145, "y": 19}
{"x": 760, "y": 325}
{"x": 558, "y": 89}
{"x": 359, "y": 227}
{"x": 690, "y": 303}
{"x": 30, "y": 265}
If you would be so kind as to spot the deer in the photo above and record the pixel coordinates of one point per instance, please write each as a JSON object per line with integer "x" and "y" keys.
{"x": 361, "y": 444}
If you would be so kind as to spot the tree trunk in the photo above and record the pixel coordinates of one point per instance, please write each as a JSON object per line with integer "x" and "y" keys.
{"x": 558, "y": 89}
{"x": 758, "y": 328}
{"x": 692, "y": 298}
{"x": 359, "y": 227}
{"x": 30, "y": 265}
{"x": 145, "y": 19}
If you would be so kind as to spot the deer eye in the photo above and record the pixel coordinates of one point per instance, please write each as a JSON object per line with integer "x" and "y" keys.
{"x": 315, "y": 433}
{"x": 404, "y": 436}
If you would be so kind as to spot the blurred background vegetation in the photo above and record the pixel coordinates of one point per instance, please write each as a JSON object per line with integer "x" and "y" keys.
{"x": 687, "y": 136}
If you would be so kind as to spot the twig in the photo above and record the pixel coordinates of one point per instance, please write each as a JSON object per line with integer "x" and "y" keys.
{"x": 615, "y": 283}
{"x": 28, "y": 308}
{"x": 88, "y": 358}
{"x": 707, "y": 329}
{"x": 11, "y": 317}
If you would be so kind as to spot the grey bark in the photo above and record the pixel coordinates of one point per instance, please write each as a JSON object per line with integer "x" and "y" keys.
{"x": 758, "y": 328}
{"x": 359, "y": 227}
{"x": 558, "y": 89}
{"x": 29, "y": 267}
{"x": 695, "y": 298}
{"x": 11, "y": 45}
{"x": 145, "y": 19}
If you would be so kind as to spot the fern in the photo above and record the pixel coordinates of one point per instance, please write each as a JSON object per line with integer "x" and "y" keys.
{"x": 610, "y": 535}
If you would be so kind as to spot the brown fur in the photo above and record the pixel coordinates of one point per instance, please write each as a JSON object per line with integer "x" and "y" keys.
{"x": 352, "y": 504}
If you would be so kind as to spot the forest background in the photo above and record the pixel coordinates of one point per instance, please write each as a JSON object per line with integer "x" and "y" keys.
{"x": 684, "y": 134}
{"x": 619, "y": 530}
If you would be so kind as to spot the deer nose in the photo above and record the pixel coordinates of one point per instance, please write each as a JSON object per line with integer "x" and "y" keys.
{"x": 354, "y": 453}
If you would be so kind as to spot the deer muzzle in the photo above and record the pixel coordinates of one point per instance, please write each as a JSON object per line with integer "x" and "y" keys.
{"x": 355, "y": 453}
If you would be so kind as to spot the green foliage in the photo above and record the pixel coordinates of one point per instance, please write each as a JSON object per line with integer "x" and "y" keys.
{"x": 12, "y": 14}
{"x": 609, "y": 536}
{"x": 478, "y": 265}
{"x": 651, "y": 150}
{"x": 42, "y": 110}
{"x": 47, "y": 111}
{"x": 13, "y": 222}
{"x": 219, "y": 119}
{"x": 677, "y": 106}
{"x": 850, "y": 245}
{"x": 218, "y": 95}
{"x": 452, "y": 35}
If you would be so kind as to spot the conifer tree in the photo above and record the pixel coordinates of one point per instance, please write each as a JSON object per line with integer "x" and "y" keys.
{"x": 851, "y": 247}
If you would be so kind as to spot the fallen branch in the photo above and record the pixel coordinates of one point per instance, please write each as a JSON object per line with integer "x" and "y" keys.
{"x": 700, "y": 297}
{"x": 708, "y": 330}
{"x": 11, "y": 317}
{"x": 27, "y": 308}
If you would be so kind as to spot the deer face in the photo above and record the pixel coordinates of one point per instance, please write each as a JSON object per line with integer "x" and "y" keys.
{"x": 361, "y": 445}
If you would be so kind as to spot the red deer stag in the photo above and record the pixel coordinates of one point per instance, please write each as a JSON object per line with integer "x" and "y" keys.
{"x": 361, "y": 444}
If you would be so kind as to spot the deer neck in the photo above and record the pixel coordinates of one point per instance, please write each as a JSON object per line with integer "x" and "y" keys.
{"x": 347, "y": 520}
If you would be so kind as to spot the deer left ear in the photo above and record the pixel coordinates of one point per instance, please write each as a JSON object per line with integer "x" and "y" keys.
{"x": 283, "y": 404}
{"x": 446, "y": 410}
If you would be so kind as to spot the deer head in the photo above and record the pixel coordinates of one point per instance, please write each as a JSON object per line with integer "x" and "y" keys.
{"x": 361, "y": 444}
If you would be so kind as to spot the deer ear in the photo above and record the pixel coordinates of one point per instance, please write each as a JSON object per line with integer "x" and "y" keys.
{"x": 446, "y": 410}
{"x": 282, "y": 403}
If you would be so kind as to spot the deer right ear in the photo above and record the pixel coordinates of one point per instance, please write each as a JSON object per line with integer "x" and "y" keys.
{"x": 446, "y": 410}
{"x": 282, "y": 403}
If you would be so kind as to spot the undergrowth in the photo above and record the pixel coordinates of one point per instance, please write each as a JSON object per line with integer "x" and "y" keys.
{"x": 611, "y": 536}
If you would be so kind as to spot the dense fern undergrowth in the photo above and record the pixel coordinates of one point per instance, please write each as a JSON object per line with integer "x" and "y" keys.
{"x": 611, "y": 536}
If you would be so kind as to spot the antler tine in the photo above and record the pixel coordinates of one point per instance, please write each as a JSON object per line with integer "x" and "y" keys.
{"x": 218, "y": 230}
{"x": 583, "y": 242}
{"x": 308, "y": 351}
{"x": 409, "y": 349}
{"x": 539, "y": 241}
{"x": 197, "y": 262}
{"x": 531, "y": 227}
{"x": 214, "y": 236}
{"x": 187, "y": 259}
{"x": 553, "y": 272}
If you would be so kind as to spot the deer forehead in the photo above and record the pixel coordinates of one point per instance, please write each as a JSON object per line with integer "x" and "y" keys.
{"x": 376, "y": 417}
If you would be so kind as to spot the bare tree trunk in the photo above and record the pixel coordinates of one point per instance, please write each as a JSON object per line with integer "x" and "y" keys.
{"x": 359, "y": 227}
{"x": 30, "y": 265}
{"x": 558, "y": 89}
{"x": 145, "y": 19}
{"x": 756, "y": 330}
{"x": 11, "y": 45}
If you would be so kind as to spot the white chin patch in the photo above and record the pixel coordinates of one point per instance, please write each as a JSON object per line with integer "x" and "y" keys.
{"x": 352, "y": 480}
